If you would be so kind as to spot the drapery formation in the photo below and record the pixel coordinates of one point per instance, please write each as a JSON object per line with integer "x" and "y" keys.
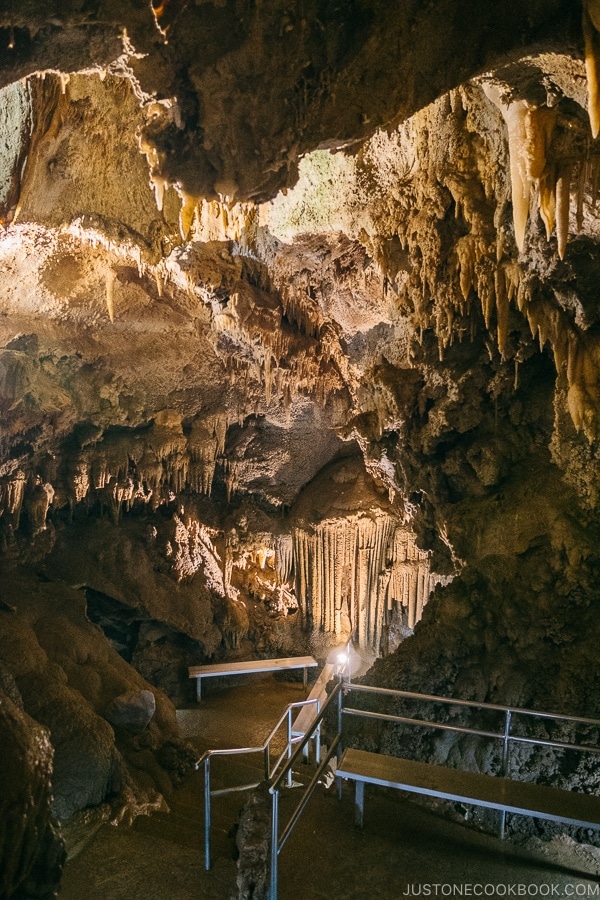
{"x": 352, "y": 573}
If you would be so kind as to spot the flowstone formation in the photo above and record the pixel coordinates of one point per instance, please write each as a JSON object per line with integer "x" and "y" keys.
{"x": 359, "y": 573}
{"x": 239, "y": 420}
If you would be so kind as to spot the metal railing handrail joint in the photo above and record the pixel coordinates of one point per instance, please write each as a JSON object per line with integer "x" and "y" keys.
{"x": 307, "y": 737}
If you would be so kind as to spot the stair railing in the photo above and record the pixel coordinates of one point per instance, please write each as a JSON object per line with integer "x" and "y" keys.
{"x": 269, "y": 771}
{"x": 277, "y": 782}
{"x": 505, "y": 734}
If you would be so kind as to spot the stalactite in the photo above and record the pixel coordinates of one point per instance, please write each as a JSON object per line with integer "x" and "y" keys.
{"x": 110, "y": 294}
{"x": 232, "y": 476}
{"x": 316, "y": 594}
{"x": 155, "y": 160}
{"x": 12, "y": 493}
{"x": 520, "y": 179}
{"x": 360, "y": 566}
{"x": 203, "y": 446}
{"x": 502, "y": 304}
{"x": 284, "y": 557}
{"x": 530, "y": 131}
{"x": 220, "y": 431}
{"x": 591, "y": 29}
{"x": 328, "y": 564}
{"x": 547, "y": 199}
{"x": 268, "y": 376}
{"x": 563, "y": 195}
{"x": 80, "y": 481}
{"x": 186, "y": 213}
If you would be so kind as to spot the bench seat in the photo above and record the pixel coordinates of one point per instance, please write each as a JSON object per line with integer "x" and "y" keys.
{"x": 249, "y": 667}
{"x": 467, "y": 787}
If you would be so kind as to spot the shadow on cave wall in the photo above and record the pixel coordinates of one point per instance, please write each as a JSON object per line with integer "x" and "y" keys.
{"x": 160, "y": 654}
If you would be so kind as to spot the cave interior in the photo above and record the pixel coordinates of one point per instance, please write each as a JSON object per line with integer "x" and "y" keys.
{"x": 300, "y": 344}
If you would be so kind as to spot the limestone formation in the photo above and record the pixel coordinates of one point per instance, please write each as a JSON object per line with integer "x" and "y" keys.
{"x": 132, "y": 710}
{"x": 31, "y": 853}
{"x": 356, "y": 564}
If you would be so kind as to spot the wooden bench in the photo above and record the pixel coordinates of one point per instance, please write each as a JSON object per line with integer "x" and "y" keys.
{"x": 250, "y": 667}
{"x": 466, "y": 787}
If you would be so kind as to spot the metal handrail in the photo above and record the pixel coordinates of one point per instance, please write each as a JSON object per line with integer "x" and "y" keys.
{"x": 234, "y": 750}
{"x": 507, "y": 737}
{"x": 450, "y": 701}
{"x": 463, "y": 729}
{"x": 276, "y": 777}
{"x": 269, "y": 772}
{"x": 277, "y": 842}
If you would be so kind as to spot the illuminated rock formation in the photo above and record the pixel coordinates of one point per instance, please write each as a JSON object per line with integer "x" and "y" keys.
{"x": 357, "y": 566}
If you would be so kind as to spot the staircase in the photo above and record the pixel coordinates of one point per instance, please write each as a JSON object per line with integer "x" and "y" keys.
{"x": 184, "y": 824}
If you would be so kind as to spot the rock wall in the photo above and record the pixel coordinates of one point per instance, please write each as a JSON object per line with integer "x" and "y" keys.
{"x": 31, "y": 853}
{"x": 65, "y": 676}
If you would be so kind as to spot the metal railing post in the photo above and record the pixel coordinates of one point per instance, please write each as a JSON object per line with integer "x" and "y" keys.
{"x": 318, "y": 737}
{"x": 207, "y": 813}
{"x": 505, "y": 766}
{"x": 274, "y": 843}
{"x": 289, "y": 740}
{"x": 506, "y": 745}
{"x": 267, "y": 760}
{"x": 306, "y": 752}
{"x": 340, "y": 707}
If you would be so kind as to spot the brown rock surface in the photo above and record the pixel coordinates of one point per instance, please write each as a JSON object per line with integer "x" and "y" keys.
{"x": 31, "y": 853}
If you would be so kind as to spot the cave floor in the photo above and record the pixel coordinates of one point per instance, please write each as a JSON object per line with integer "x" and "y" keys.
{"x": 404, "y": 849}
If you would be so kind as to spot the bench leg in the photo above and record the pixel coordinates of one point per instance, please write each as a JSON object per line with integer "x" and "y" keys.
{"x": 501, "y": 823}
{"x": 305, "y": 679}
{"x": 198, "y": 689}
{"x": 359, "y": 804}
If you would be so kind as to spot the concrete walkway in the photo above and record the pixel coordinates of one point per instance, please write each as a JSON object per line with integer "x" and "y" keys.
{"x": 403, "y": 851}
